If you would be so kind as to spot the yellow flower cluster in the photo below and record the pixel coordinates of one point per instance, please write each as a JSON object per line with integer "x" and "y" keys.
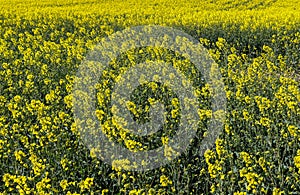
{"x": 256, "y": 45}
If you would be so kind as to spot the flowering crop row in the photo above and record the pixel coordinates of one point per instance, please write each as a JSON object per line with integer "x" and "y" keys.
{"x": 256, "y": 45}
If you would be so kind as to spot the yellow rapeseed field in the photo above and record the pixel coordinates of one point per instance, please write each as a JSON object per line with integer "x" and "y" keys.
{"x": 256, "y": 45}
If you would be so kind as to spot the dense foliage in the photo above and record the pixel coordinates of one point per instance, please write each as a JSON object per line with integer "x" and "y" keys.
{"x": 255, "y": 43}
